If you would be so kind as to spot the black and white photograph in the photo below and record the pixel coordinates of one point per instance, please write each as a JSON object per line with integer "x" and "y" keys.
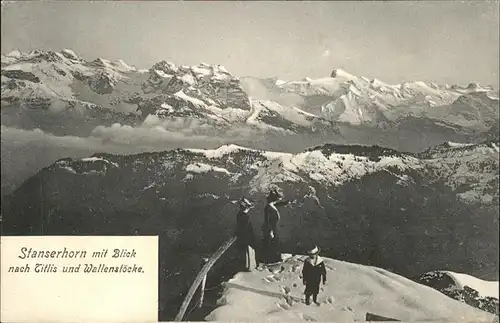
{"x": 331, "y": 161}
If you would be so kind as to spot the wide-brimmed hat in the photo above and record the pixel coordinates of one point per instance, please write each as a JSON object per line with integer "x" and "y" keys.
{"x": 314, "y": 251}
{"x": 245, "y": 203}
{"x": 274, "y": 194}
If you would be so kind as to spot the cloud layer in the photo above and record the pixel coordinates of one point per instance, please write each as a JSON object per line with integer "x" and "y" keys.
{"x": 24, "y": 152}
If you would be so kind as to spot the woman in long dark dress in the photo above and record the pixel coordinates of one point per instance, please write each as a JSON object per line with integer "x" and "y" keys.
{"x": 271, "y": 252}
{"x": 245, "y": 234}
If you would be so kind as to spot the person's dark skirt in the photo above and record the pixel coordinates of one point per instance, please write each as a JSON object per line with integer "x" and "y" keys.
{"x": 270, "y": 250}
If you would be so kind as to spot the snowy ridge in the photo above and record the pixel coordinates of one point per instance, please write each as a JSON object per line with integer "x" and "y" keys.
{"x": 465, "y": 288}
{"x": 209, "y": 93}
{"x": 472, "y": 168}
{"x": 271, "y": 115}
{"x": 333, "y": 169}
{"x": 351, "y": 292}
{"x": 96, "y": 159}
{"x": 484, "y": 288}
{"x": 460, "y": 164}
{"x": 62, "y": 70}
{"x": 219, "y": 152}
{"x": 360, "y": 100}
{"x": 87, "y": 166}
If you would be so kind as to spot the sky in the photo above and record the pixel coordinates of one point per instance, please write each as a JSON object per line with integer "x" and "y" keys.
{"x": 441, "y": 41}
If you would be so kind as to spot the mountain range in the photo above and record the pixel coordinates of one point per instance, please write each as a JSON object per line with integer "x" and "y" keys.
{"x": 402, "y": 177}
{"x": 61, "y": 93}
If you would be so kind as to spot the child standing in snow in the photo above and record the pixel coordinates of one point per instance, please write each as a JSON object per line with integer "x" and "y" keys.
{"x": 245, "y": 234}
{"x": 313, "y": 271}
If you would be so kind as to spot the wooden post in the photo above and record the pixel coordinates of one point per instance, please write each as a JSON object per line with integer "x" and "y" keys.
{"x": 202, "y": 286}
{"x": 200, "y": 276}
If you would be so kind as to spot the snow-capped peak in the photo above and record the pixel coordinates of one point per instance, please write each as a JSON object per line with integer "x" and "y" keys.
{"x": 68, "y": 53}
{"x": 15, "y": 53}
{"x": 123, "y": 66}
{"x": 340, "y": 73}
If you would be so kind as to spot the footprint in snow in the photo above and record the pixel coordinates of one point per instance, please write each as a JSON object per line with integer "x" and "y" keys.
{"x": 329, "y": 300}
{"x": 308, "y": 318}
{"x": 277, "y": 270}
{"x": 222, "y": 301}
{"x": 271, "y": 278}
{"x": 283, "y": 307}
{"x": 347, "y": 308}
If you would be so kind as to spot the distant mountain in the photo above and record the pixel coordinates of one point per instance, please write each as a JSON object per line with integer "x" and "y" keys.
{"x": 409, "y": 213}
{"x": 61, "y": 93}
{"x": 358, "y": 100}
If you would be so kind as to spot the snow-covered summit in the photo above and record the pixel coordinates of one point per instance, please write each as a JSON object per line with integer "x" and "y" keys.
{"x": 358, "y": 100}
{"x": 340, "y": 73}
{"x": 70, "y": 54}
{"x": 352, "y": 291}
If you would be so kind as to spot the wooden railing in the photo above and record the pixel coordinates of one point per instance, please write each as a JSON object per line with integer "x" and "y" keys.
{"x": 201, "y": 279}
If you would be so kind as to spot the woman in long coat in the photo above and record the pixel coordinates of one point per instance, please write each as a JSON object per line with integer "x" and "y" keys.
{"x": 245, "y": 235}
{"x": 313, "y": 272}
{"x": 271, "y": 244}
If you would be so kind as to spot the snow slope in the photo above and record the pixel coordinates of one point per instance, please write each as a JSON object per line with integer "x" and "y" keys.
{"x": 351, "y": 291}
{"x": 468, "y": 289}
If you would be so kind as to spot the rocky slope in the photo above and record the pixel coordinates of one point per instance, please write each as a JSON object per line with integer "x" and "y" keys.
{"x": 465, "y": 288}
{"x": 353, "y": 292}
{"x": 408, "y": 213}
